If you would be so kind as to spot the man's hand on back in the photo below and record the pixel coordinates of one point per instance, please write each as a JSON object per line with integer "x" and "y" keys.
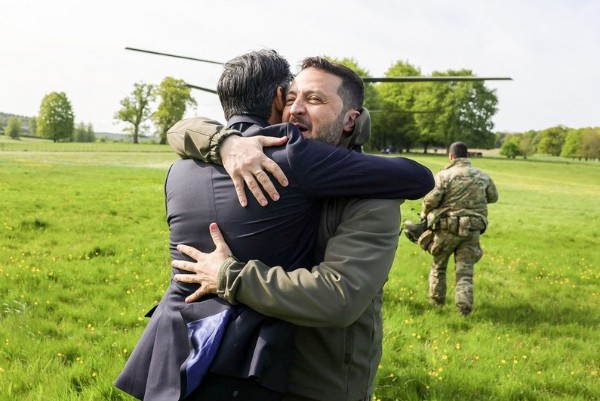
{"x": 245, "y": 161}
{"x": 206, "y": 268}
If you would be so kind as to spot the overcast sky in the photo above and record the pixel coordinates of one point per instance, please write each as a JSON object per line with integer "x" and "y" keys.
{"x": 551, "y": 48}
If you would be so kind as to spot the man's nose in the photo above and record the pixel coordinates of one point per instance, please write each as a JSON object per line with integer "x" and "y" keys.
{"x": 297, "y": 108}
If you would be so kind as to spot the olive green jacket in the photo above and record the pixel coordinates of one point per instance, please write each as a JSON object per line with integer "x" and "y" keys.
{"x": 336, "y": 304}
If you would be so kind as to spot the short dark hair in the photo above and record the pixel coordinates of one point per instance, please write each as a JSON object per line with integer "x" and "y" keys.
{"x": 248, "y": 84}
{"x": 458, "y": 149}
{"x": 352, "y": 89}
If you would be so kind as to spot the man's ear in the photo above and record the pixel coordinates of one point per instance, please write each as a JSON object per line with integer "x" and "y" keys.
{"x": 350, "y": 120}
{"x": 277, "y": 107}
{"x": 279, "y": 100}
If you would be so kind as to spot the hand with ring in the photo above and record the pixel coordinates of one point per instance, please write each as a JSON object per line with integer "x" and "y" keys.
{"x": 245, "y": 161}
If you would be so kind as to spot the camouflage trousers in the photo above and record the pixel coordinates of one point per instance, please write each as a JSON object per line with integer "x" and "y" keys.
{"x": 467, "y": 252}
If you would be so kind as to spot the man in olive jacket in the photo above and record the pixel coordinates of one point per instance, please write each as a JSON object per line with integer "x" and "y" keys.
{"x": 337, "y": 303}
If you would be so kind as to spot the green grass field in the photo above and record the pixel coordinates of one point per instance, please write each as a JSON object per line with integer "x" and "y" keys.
{"x": 84, "y": 254}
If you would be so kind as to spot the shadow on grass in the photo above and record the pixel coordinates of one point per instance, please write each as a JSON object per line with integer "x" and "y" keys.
{"x": 524, "y": 317}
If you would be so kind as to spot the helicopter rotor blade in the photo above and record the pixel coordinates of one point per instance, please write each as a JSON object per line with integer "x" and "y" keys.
{"x": 403, "y": 111}
{"x": 435, "y": 79}
{"x": 201, "y": 88}
{"x": 365, "y": 79}
{"x": 173, "y": 55}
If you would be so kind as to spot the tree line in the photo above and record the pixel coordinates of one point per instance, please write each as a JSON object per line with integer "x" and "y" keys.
{"x": 581, "y": 143}
{"x": 405, "y": 116}
{"x": 56, "y": 119}
{"x": 425, "y": 115}
{"x": 136, "y": 109}
{"x": 422, "y": 115}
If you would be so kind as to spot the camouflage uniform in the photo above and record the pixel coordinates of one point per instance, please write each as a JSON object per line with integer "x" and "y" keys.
{"x": 457, "y": 210}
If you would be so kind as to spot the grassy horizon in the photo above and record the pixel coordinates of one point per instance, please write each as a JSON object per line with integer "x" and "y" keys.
{"x": 84, "y": 254}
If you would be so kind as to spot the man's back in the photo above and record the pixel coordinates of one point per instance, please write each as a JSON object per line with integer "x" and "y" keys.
{"x": 198, "y": 194}
{"x": 461, "y": 190}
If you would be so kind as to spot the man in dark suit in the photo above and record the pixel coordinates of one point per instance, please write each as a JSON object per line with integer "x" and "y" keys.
{"x": 254, "y": 353}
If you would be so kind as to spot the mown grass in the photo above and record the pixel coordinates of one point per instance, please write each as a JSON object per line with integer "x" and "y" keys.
{"x": 30, "y": 144}
{"x": 84, "y": 255}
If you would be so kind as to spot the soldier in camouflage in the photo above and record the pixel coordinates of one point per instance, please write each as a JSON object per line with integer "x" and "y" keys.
{"x": 456, "y": 210}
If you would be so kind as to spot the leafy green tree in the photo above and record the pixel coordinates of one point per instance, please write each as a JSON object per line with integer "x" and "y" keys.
{"x": 478, "y": 106}
{"x": 13, "y": 128}
{"x": 79, "y": 133}
{"x": 526, "y": 146}
{"x": 501, "y": 137}
{"x": 32, "y": 126}
{"x": 430, "y": 119}
{"x": 135, "y": 109}
{"x": 175, "y": 97}
{"x": 532, "y": 140}
{"x": 572, "y": 145}
{"x": 89, "y": 133}
{"x": 394, "y": 120}
{"x": 511, "y": 147}
{"x": 552, "y": 140}
{"x": 590, "y": 144}
{"x": 84, "y": 133}
{"x": 56, "y": 119}
{"x": 457, "y": 111}
{"x": 389, "y": 127}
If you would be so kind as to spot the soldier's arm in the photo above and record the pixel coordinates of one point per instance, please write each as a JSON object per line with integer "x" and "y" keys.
{"x": 491, "y": 192}
{"x": 434, "y": 198}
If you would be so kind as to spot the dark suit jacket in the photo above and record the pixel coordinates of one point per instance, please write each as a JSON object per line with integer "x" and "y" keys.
{"x": 282, "y": 233}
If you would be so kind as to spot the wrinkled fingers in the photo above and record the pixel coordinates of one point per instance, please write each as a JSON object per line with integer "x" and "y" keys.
{"x": 190, "y": 251}
{"x": 184, "y": 265}
{"x": 254, "y": 188}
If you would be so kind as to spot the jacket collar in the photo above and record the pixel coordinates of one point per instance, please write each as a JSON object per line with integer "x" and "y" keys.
{"x": 461, "y": 161}
{"x": 246, "y": 119}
